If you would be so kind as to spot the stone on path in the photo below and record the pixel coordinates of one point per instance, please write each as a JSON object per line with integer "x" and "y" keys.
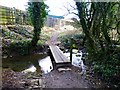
{"x": 64, "y": 69}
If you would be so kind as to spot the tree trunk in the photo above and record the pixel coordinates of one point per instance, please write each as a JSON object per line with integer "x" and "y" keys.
{"x": 90, "y": 41}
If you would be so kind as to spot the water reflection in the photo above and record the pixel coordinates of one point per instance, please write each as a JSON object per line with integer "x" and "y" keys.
{"x": 30, "y": 63}
{"x": 77, "y": 59}
{"x": 31, "y": 69}
{"x": 46, "y": 64}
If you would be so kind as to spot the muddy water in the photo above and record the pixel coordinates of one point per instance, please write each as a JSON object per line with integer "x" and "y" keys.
{"x": 28, "y": 63}
{"x": 39, "y": 62}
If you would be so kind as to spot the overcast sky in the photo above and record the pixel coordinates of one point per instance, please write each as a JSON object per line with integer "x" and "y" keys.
{"x": 20, "y": 4}
{"x": 56, "y": 7}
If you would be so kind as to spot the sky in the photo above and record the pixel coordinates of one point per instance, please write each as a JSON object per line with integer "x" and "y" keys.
{"x": 56, "y": 7}
{"x": 19, "y": 4}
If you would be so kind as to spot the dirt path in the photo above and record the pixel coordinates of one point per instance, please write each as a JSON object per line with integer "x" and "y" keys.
{"x": 71, "y": 79}
{"x": 53, "y": 39}
{"x": 56, "y": 79}
{"x": 65, "y": 79}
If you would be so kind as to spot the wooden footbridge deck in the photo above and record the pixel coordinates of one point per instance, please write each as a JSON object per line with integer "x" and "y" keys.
{"x": 59, "y": 58}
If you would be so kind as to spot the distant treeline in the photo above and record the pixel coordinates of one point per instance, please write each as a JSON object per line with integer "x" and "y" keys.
{"x": 13, "y": 16}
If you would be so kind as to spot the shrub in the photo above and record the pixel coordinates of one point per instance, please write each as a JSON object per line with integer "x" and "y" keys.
{"x": 107, "y": 66}
{"x": 20, "y": 47}
{"x": 65, "y": 39}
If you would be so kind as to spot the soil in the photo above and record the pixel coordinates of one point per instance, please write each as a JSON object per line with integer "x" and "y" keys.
{"x": 66, "y": 78}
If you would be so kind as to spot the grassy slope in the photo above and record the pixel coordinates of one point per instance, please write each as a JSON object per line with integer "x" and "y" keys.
{"x": 17, "y": 38}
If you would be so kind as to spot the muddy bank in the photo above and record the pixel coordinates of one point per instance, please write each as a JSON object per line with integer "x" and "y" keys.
{"x": 70, "y": 78}
{"x": 65, "y": 79}
{"x": 11, "y": 79}
{"x": 62, "y": 78}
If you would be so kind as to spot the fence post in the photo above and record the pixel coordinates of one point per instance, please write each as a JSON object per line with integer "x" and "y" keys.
{"x": 14, "y": 19}
{"x": 71, "y": 47}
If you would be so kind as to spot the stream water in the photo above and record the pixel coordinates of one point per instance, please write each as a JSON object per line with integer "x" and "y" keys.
{"x": 77, "y": 59}
{"x": 31, "y": 63}
{"x": 28, "y": 63}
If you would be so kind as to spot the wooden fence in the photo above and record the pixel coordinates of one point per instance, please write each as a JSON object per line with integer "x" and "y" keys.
{"x": 13, "y": 16}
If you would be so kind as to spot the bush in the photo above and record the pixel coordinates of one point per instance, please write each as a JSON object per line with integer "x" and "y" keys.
{"x": 107, "y": 66}
{"x": 40, "y": 42}
{"x": 65, "y": 39}
{"x": 21, "y": 31}
{"x": 7, "y": 34}
{"x": 20, "y": 47}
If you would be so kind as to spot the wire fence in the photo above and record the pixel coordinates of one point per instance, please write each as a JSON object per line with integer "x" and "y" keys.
{"x": 10, "y": 16}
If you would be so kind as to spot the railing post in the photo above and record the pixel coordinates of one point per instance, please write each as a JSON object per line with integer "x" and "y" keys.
{"x": 71, "y": 47}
